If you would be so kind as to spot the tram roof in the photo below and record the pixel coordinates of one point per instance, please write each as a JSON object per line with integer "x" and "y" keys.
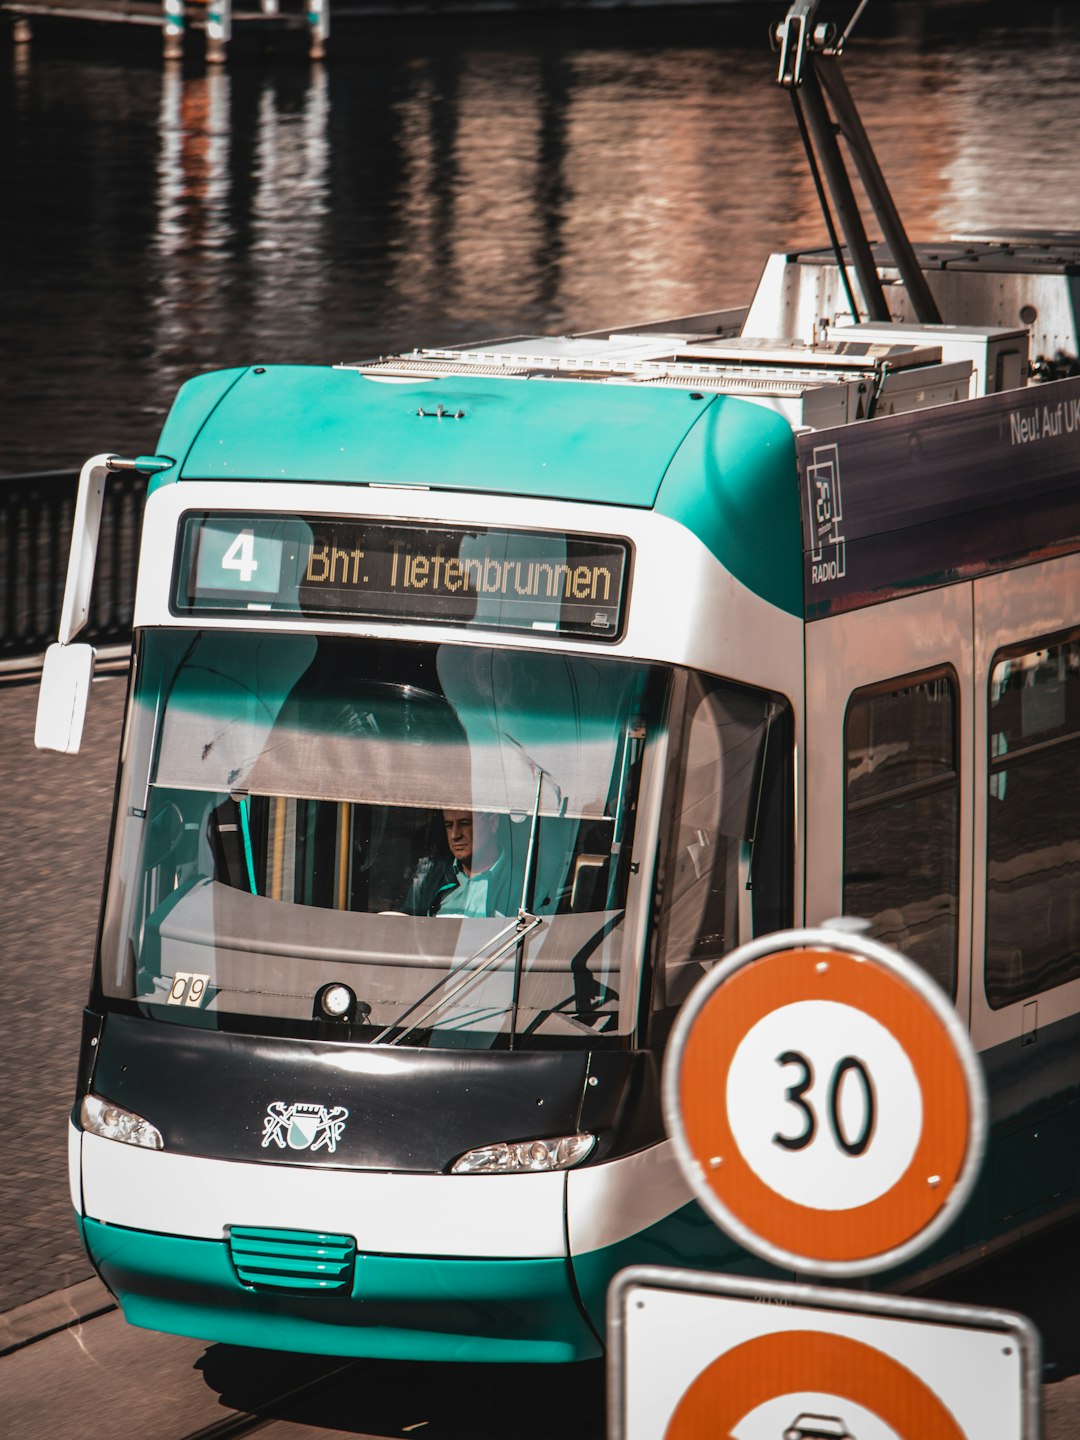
{"x": 557, "y": 439}
{"x": 722, "y": 467}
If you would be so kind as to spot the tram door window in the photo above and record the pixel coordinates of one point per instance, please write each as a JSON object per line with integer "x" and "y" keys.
{"x": 727, "y": 874}
{"x": 1033, "y": 821}
{"x": 902, "y": 819}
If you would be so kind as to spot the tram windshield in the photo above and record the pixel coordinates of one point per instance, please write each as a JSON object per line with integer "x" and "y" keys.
{"x": 382, "y": 841}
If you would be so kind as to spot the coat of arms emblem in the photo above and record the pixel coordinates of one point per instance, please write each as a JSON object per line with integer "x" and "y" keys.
{"x": 303, "y": 1127}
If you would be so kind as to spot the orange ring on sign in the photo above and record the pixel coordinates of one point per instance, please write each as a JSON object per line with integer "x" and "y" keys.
{"x": 733, "y": 1008}
{"x": 769, "y": 1366}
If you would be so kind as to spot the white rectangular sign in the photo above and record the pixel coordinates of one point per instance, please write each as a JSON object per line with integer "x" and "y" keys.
{"x": 693, "y": 1354}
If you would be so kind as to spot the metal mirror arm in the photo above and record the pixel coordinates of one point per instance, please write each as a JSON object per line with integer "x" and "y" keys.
{"x": 810, "y": 70}
{"x": 68, "y": 668}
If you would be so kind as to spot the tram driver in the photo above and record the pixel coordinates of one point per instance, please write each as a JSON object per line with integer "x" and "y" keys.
{"x": 474, "y": 878}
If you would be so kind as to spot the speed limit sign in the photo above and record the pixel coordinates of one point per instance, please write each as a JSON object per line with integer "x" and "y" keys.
{"x": 825, "y": 1103}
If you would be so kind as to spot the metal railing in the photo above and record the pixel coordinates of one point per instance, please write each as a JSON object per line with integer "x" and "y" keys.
{"x": 179, "y": 18}
{"x": 36, "y": 513}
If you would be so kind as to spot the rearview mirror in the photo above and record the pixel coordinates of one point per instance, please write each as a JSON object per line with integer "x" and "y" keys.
{"x": 65, "y": 687}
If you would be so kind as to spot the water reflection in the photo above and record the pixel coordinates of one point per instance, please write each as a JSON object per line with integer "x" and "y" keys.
{"x": 1022, "y": 145}
{"x": 446, "y": 183}
{"x": 193, "y": 239}
{"x": 288, "y": 259}
{"x": 495, "y": 216}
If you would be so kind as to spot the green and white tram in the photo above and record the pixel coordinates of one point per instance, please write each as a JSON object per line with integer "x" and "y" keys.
{"x": 481, "y": 700}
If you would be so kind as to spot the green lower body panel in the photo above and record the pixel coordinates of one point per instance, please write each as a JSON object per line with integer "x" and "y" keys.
{"x": 685, "y": 1238}
{"x": 402, "y": 1308}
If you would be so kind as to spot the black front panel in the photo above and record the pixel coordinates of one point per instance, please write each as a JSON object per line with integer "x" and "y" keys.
{"x": 251, "y": 1098}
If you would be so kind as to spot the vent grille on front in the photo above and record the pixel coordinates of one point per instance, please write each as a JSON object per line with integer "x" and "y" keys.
{"x": 765, "y": 386}
{"x": 723, "y": 375}
{"x": 434, "y": 369}
{"x": 292, "y": 1259}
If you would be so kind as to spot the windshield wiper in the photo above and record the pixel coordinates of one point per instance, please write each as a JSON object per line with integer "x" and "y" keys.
{"x": 514, "y": 934}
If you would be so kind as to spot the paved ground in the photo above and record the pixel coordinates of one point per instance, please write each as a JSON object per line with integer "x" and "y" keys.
{"x": 52, "y": 859}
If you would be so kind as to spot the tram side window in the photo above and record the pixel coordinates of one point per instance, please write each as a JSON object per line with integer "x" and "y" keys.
{"x": 727, "y": 872}
{"x": 1033, "y": 821}
{"x": 902, "y": 819}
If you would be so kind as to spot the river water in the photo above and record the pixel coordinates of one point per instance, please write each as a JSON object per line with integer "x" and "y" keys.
{"x": 457, "y": 178}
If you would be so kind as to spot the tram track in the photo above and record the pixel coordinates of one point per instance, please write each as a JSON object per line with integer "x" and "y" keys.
{"x": 231, "y": 1426}
{"x": 248, "y": 1422}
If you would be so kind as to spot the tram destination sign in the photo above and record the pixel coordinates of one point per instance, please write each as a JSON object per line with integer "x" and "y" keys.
{"x": 538, "y": 581}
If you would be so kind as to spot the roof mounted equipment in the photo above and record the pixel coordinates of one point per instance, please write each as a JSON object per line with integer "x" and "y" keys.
{"x": 810, "y": 72}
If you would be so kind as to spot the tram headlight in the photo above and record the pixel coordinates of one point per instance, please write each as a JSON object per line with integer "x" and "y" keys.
{"x": 335, "y": 1002}
{"x": 113, "y": 1122}
{"x": 522, "y": 1156}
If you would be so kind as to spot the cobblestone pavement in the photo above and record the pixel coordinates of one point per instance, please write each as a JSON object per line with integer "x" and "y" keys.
{"x": 52, "y": 859}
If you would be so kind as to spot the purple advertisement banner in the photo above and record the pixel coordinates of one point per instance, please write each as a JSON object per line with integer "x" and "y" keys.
{"x": 915, "y": 501}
